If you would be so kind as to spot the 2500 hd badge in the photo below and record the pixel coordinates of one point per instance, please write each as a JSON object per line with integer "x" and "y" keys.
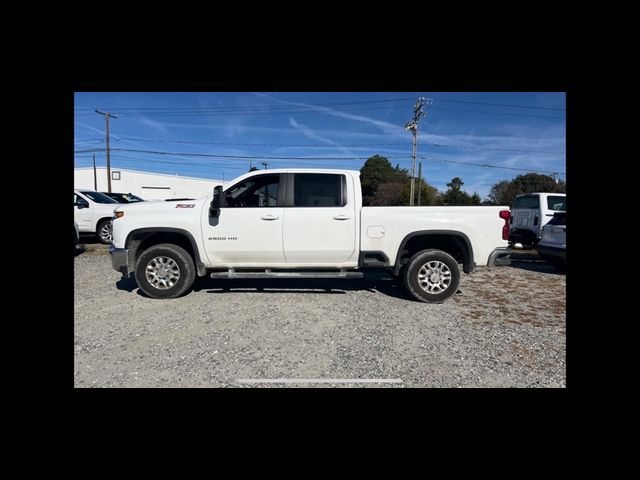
{"x": 223, "y": 238}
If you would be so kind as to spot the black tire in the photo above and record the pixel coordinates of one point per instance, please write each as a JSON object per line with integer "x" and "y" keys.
{"x": 183, "y": 262}
{"x": 104, "y": 239}
{"x": 448, "y": 283}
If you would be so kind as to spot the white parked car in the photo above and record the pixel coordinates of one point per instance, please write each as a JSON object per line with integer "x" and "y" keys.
{"x": 553, "y": 244}
{"x": 303, "y": 223}
{"x": 76, "y": 234}
{"x": 529, "y": 213}
{"x": 93, "y": 212}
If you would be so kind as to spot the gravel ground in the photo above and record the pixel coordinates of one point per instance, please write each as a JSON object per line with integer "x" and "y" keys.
{"x": 504, "y": 328}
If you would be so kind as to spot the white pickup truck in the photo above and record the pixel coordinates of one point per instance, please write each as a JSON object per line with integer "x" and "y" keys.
{"x": 303, "y": 223}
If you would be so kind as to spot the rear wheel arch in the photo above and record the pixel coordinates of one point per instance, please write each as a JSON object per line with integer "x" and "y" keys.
{"x": 453, "y": 242}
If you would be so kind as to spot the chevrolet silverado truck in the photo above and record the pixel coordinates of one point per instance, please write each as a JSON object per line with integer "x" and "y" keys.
{"x": 303, "y": 223}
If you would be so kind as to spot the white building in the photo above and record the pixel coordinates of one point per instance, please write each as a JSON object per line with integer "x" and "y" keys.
{"x": 147, "y": 185}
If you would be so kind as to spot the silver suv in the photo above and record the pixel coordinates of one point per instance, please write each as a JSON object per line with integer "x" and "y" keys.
{"x": 553, "y": 242}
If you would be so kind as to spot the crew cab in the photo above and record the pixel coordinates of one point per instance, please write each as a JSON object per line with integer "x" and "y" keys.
{"x": 93, "y": 211}
{"x": 303, "y": 223}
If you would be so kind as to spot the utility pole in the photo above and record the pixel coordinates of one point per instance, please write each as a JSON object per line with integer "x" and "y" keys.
{"x": 419, "y": 180}
{"x": 412, "y": 126}
{"x": 250, "y": 164}
{"x": 265, "y": 164}
{"x": 107, "y": 115}
{"x": 95, "y": 175}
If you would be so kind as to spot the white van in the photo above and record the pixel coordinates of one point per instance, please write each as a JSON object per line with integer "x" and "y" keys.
{"x": 529, "y": 213}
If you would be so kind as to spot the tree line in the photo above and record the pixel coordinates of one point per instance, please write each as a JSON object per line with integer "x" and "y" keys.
{"x": 386, "y": 185}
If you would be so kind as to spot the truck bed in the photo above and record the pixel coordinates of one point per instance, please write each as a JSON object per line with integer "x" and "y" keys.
{"x": 384, "y": 228}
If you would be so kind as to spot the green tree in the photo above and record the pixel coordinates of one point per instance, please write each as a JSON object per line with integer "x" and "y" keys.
{"x": 376, "y": 171}
{"x": 385, "y": 185}
{"x": 456, "y": 196}
{"x": 503, "y": 193}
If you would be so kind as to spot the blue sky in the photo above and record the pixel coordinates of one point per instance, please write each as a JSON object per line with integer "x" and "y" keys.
{"x": 513, "y": 130}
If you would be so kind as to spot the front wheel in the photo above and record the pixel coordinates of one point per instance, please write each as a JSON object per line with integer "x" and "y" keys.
{"x": 105, "y": 231}
{"x": 165, "y": 271}
{"x": 432, "y": 276}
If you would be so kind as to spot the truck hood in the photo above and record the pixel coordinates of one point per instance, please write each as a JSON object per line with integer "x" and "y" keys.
{"x": 161, "y": 207}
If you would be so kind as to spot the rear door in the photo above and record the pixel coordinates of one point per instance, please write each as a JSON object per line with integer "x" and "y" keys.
{"x": 319, "y": 219}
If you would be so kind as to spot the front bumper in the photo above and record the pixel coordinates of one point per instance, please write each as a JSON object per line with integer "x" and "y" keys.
{"x": 120, "y": 259}
{"x": 500, "y": 257}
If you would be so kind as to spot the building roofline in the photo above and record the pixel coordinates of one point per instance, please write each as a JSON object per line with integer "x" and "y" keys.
{"x": 151, "y": 173}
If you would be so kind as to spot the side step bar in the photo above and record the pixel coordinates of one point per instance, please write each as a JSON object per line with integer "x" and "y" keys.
{"x": 231, "y": 273}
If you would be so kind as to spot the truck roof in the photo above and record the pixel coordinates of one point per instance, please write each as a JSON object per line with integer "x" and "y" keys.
{"x": 306, "y": 170}
{"x": 540, "y": 193}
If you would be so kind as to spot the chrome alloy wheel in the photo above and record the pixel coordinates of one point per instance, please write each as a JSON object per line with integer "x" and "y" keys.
{"x": 434, "y": 277}
{"x": 106, "y": 232}
{"x": 162, "y": 273}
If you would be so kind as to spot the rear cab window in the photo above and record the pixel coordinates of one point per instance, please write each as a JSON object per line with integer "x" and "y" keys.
{"x": 527, "y": 201}
{"x": 319, "y": 190}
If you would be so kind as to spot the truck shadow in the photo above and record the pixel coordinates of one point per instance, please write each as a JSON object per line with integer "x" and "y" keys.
{"x": 530, "y": 260}
{"x": 372, "y": 282}
{"x": 383, "y": 283}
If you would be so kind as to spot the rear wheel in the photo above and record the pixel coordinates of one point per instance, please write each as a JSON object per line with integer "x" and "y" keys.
{"x": 105, "y": 231}
{"x": 165, "y": 271}
{"x": 432, "y": 276}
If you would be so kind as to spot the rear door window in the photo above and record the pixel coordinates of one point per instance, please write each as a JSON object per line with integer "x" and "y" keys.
{"x": 557, "y": 203}
{"x": 319, "y": 190}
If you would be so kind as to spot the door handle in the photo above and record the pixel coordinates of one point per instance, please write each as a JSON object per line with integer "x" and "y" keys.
{"x": 341, "y": 217}
{"x": 269, "y": 217}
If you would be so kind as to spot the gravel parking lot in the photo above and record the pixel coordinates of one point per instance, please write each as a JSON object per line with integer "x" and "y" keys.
{"x": 504, "y": 328}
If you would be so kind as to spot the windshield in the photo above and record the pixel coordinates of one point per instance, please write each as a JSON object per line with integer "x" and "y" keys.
{"x": 98, "y": 197}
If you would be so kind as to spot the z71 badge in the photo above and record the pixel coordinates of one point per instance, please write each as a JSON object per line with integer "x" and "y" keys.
{"x": 185, "y": 205}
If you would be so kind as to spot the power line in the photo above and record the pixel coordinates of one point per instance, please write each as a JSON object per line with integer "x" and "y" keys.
{"x": 231, "y": 108}
{"x": 252, "y": 108}
{"x": 309, "y": 109}
{"x": 327, "y": 146}
{"x": 498, "y": 113}
{"x": 492, "y": 148}
{"x": 188, "y": 154}
{"x": 498, "y": 104}
{"x": 324, "y": 145}
{"x": 266, "y": 144}
{"x": 488, "y": 165}
{"x": 301, "y": 110}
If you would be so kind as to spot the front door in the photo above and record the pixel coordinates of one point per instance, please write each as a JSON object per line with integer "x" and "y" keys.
{"x": 248, "y": 231}
{"x": 82, "y": 212}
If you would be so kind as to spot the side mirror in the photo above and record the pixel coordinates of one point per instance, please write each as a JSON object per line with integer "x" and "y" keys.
{"x": 217, "y": 202}
{"x": 81, "y": 205}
